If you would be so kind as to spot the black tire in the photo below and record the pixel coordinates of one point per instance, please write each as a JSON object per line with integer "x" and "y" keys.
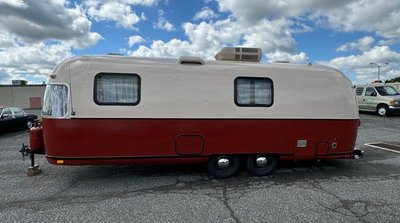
{"x": 230, "y": 170}
{"x": 256, "y": 170}
{"x": 382, "y": 110}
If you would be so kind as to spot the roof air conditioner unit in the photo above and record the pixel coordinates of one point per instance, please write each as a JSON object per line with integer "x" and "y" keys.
{"x": 239, "y": 54}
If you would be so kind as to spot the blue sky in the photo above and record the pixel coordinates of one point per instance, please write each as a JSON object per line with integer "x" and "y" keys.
{"x": 345, "y": 34}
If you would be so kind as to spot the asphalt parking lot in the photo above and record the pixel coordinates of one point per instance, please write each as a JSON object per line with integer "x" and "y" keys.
{"x": 365, "y": 190}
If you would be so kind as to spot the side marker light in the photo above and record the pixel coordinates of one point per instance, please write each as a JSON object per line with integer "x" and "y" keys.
{"x": 60, "y": 161}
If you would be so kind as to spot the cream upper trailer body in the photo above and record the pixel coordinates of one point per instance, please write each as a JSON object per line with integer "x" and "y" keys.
{"x": 124, "y": 110}
{"x": 170, "y": 88}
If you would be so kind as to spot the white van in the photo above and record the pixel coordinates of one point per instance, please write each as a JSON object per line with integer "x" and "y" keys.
{"x": 378, "y": 97}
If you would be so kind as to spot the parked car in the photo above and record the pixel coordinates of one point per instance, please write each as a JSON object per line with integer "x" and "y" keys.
{"x": 14, "y": 117}
{"x": 380, "y": 98}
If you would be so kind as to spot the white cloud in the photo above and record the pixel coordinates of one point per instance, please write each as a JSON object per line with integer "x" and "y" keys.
{"x": 204, "y": 40}
{"x": 37, "y": 22}
{"x": 207, "y": 38}
{"x": 362, "y": 44}
{"x": 271, "y": 36}
{"x": 204, "y": 14}
{"x": 162, "y": 23}
{"x": 378, "y": 54}
{"x": 14, "y": 3}
{"x": 358, "y": 67}
{"x": 158, "y": 48}
{"x": 36, "y": 35}
{"x": 254, "y": 10}
{"x": 6, "y": 41}
{"x": 141, "y": 2}
{"x": 114, "y": 11}
{"x": 377, "y": 16}
{"x": 119, "y": 11}
{"x": 33, "y": 61}
{"x": 134, "y": 40}
{"x": 282, "y": 56}
{"x": 388, "y": 42}
{"x": 392, "y": 74}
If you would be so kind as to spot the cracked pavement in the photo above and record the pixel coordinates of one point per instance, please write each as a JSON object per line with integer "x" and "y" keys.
{"x": 366, "y": 190}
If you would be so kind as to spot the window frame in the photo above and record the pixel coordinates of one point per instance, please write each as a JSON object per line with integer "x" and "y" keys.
{"x": 9, "y": 108}
{"x": 366, "y": 89}
{"x": 19, "y": 111}
{"x": 68, "y": 111}
{"x": 139, "y": 89}
{"x": 362, "y": 90}
{"x": 253, "y": 78}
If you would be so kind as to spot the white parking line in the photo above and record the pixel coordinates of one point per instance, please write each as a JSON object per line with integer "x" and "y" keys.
{"x": 382, "y": 148}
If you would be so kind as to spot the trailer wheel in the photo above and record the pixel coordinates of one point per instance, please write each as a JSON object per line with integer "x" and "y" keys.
{"x": 223, "y": 166}
{"x": 261, "y": 164}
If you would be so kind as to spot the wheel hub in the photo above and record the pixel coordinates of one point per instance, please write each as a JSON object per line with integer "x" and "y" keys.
{"x": 223, "y": 163}
{"x": 382, "y": 111}
{"x": 261, "y": 161}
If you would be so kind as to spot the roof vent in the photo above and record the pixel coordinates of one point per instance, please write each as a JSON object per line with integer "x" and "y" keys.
{"x": 239, "y": 54}
{"x": 190, "y": 60}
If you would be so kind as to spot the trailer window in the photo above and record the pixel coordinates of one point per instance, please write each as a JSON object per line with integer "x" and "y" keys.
{"x": 55, "y": 100}
{"x": 253, "y": 91}
{"x": 117, "y": 89}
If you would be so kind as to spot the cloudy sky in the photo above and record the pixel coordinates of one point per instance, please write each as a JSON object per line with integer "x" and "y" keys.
{"x": 346, "y": 34}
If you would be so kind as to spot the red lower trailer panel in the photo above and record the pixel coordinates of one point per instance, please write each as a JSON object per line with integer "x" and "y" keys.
{"x": 123, "y": 141}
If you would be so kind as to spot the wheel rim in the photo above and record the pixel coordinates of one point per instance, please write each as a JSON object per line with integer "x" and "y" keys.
{"x": 29, "y": 124}
{"x": 223, "y": 163}
{"x": 261, "y": 164}
{"x": 382, "y": 111}
{"x": 261, "y": 161}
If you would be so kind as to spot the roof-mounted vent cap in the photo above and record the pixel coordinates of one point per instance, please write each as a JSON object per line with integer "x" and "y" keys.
{"x": 239, "y": 54}
{"x": 190, "y": 60}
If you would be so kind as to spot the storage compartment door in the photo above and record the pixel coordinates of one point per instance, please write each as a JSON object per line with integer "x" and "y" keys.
{"x": 189, "y": 144}
{"x": 322, "y": 148}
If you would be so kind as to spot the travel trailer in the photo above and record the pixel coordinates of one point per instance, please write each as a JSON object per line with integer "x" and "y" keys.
{"x": 378, "y": 97}
{"x": 130, "y": 110}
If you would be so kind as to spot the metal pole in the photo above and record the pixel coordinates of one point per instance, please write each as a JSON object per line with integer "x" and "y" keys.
{"x": 379, "y": 71}
{"x": 379, "y": 68}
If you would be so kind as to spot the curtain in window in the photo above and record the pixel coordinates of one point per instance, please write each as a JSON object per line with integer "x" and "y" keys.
{"x": 117, "y": 88}
{"x": 55, "y": 100}
{"x": 251, "y": 91}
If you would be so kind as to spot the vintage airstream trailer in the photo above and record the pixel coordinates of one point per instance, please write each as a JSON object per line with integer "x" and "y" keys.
{"x": 129, "y": 110}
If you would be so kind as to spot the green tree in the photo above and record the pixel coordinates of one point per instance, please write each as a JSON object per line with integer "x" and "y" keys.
{"x": 395, "y": 79}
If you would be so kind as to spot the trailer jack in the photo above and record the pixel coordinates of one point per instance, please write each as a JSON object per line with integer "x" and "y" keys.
{"x": 34, "y": 169}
